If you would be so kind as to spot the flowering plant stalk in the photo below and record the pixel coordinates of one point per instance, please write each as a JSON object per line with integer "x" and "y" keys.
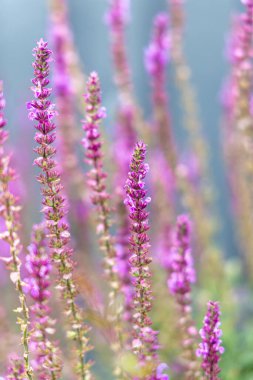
{"x": 198, "y": 200}
{"x": 210, "y": 349}
{"x": 237, "y": 101}
{"x": 16, "y": 369}
{"x": 165, "y": 152}
{"x": 96, "y": 177}
{"x": 117, "y": 18}
{"x": 10, "y": 213}
{"x": 59, "y": 16}
{"x": 144, "y": 338}
{"x": 65, "y": 102}
{"x": 182, "y": 276}
{"x": 54, "y": 204}
{"x": 100, "y": 197}
{"x": 156, "y": 60}
{"x": 47, "y": 363}
{"x": 125, "y": 138}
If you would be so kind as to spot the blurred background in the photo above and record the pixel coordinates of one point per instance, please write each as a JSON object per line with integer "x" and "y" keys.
{"x": 207, "y": 26}
{"x": 23, "y": 23}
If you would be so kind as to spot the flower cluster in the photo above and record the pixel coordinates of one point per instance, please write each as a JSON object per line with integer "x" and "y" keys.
{"x": 157, "y": 54}
{"x": 96, "y": 176}
{"x": 47, "y": 361}
{"x": 117, "y": 18}
{"x": 2, "y": 105}
{"x": 156, "y": 60}
{"x": 65, "y": 102}
{"x": 181, "y": 263}
{"x": 42, "y": 110}
{"x": 15, "y": 370}
{"x": 144, "y": 341}
{"x": 211, "y": 349}
{"x": 125, "y": 140}
{"x": 10, "y": 214}
{"x": 182, "y": 276}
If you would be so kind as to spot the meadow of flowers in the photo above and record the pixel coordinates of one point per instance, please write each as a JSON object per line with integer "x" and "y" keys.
{"x": 121, "y": 275}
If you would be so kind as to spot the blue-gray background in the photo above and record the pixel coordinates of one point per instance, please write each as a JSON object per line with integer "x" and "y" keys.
{"x": 22, "y": 23}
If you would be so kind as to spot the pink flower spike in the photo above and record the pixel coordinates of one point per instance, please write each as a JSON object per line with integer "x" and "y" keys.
{"x": 210, "y": 349}
{"x": 54, "y": 204}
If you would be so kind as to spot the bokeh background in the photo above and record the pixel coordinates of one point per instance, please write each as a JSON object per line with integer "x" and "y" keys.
{"x": 22, "y": 23}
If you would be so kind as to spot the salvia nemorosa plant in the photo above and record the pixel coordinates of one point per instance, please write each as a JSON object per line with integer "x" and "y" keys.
{"x": 100, "y": 198}
{"x": 210, "y": 349}
{"x": 97, "y": 176}
{"x": 47, "y": 361}
{"x": 181, "y": 278}
{"x": 62, "y": 42}
{"x": 144, "y": 339}
{"x": 147, "y": 288}
{"x": 43, "y": 112}
{"x": 156, "y": 59}
{"x": 10, "y": 214}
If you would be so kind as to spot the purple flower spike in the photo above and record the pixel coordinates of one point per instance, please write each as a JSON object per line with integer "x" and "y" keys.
{"x": 117, "y": 17}
{"x": 10, "y": 217}
{"x": 157, "y": 54}
{"x": 54, "y": 203}
{"x": 181, "y": 262}
{"x": 144, "y": 342}
{"x": 2, "y": 105}
{"x": 65, "y": 88}
{"x": 96, "y": 177}
{"x": 182, "y": 276}
{"x": 210, "y": 349}
{"x": 156, "y": 60}
{"x": 47, "y": 363}
{"x": 15, "y": 370}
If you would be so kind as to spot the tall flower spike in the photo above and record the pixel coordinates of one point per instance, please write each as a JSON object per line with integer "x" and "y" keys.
{"x": 211, "y": 349}
{"x": 92, "y": 143}
{"x": 99, "y": 197}
{"x": 54, "y": 204}
{"x": 72, "y": 175}
{"x": 47, "y": 363}
{"x": 15, "y": 370}
{"x": 125, "y": 138}
{"x": 10, "y": 214}
{"x": 144, "y": 338}
{"x": 59, "y": 17}
{"x": 117, "y": 18}
{"x": 156, "y": 60}
{"x": 182, "y": 276}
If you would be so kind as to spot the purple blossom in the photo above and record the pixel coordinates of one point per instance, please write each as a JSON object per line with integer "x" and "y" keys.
{"x": 117, "y": 18}
{"x": 118, "y": 14}
{"x": 210, "y": 349}
{"x": 159, "y": 372}
{"x": 157, "y": 54}
{"x": 54, "y": 203}
{"x": 156, "y": 60}
{"x": 16, "y": 369}
{"x": 97, "y": 176}
{"x": 10, "y": 215}
{"x": 2, "y": 106}
{"x": 47, "y": 361}
{"x": 144, "y": 342}
{"x": 125, "y": 139}
{"x": 181, "y": 277}
{"x": 182, "y": 272}
{"x": 68, "y": 137}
